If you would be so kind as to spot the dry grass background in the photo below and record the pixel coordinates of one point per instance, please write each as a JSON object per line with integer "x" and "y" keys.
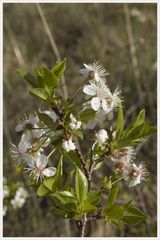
{"x": 125, "y": 42}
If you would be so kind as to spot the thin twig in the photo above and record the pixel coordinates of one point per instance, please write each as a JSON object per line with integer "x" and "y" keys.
{"x": 53, "y": 44}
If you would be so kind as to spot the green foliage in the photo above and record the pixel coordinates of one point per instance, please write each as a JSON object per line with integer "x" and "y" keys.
{"x": 134, "y": 133}
{"x": 78, "y": 133}
{"x": 40, "y": 93}
{"x": 32, "y": 80}
{"x": 113, "y": 192}
{"x": 47, "y": 120}
{"x": 86, "y": 115}
{"x": 42, "y": 190}
{"x": 81, "y": 185}
{"x": 94, "y": 197}
{"x": 120, "y": 121}
{"x": 59, "y": 69}
{"x": 133, "y": 215}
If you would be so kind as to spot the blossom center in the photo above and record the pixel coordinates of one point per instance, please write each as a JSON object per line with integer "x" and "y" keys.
{"x": 91, "y": 75}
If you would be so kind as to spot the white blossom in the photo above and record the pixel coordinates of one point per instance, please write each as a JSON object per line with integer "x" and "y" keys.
{"x": 37, "y": 167}
{"x": 30, "y": 140}
{"x": 27, "y": 123}
{"x": 68, "y": 145}
{"x": 138, "y": 174}
{"x": 94, "y": 71}
{"x": 74, "y": 124}
{"x": 103, "y": 98}
{"x": 123, "y": 159}
{"x": 101, "y": 136}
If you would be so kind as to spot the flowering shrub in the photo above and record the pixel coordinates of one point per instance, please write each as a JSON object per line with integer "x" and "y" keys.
{"x": 57, "y": 131}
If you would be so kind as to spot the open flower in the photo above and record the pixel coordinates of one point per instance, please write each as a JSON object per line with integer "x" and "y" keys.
{"x": 103, "y": 97}
{"x": 94, "y": 71}
{"x": 37, "y": 167}
{"x": 123, "y": 159}
{"x": 101, "y": 136}
{"x": 27, "y": 123}
{"x": 74, "y": 124}
{"x": 138, "y": 174}
{"x": 30, "y": 141}
{"x": 68, "y": 145}
{"x": 127, "y": 154}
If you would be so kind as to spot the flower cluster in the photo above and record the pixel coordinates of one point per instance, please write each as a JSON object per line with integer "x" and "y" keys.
{"x": 31, "y": 146}
{"x": 101, "y": 96}
{"x": 124, "y": 164}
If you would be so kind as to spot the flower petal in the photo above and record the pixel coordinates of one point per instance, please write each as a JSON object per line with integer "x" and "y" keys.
{"x": 95, "y": 103}
{"x": 105, "y": 105}
{"x": 84, "y": 71}
{"x": 42, "y": 161}
{"x": 50, "y": 171}
{"x": 90, "y": 89}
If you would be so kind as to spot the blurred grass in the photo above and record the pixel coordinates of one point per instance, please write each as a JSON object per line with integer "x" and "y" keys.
{"x": 83, "y": 33}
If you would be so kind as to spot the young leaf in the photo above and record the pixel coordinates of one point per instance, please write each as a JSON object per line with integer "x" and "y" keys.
{"x": 94, "y": 197}
{"x": 64, "y": 197}
{"x": 48, "y": 183}
{"x": 87, "y": 115}
{"x": 140, "y": 118}
{"x": 50, "y": 79}
{"x": 33, "y": 81}
{"x": 88, "y": 207}
{"x": 47, "y": 120}
{"x": 42, "y": 190}
{"x": 59, "y": 69}
{"x": 120, "y": 121}
{"x": 41, "y": 93}
{"x": 78, "y": 133}
{"x": 59, "y": 173}
{"x": 112, "y": 196}
{"x": 81, "y": 185}
{"x": 133, "y": 216}
{"x": 114, "y": 214}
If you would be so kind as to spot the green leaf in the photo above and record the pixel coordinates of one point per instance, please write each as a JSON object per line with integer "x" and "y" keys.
{"x": 59, "y": 173}
{"x": 33, "y": 81}
{"x": 94, "y": 197}
{"x": 112, "y": 196}
{"x": 68, "y": 180}
{"x": 59, "y": 69}
{"x": 78, "y": 133}
{"x": 114, "y": 214}
{"x": 72, "y": 158}
{"x": 64, "y": 197}
{"x": 120, "y": 121}
{"x": 133, "y": 216}
{"x": 42, "y": 190}
{"x": 47, "y": 120}
{"x": 58, "y": 212}
{"x": 88, "y": 207}
{"x": 81, "y": 185}
{"x": 50, "y": 79}
{"x": 48, "y": 183}
{"x": 86, "y": 115}
{"x": 41, "y": 93}
{"x": 140, "y": 118}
